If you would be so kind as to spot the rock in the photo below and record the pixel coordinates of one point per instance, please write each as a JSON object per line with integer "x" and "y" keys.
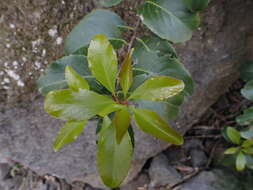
{"x": 198, "y": 158}
{"x": 136, "y": 184}
{"x": 161, "y": 173}
{"x": 26, "y": 133}
{"x": 4, "y": 170}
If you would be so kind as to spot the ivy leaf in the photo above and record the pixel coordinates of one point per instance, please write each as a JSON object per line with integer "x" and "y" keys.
{"x": 97, "y": 22}
{"x": 150, "y": 122}
{"x": 233, "y": 135}
{"x": 68, "y": 133}
{"x": 126, "y": 73}
{"x": 158, "y": 88}
{"x": 169, "y": 19}
{"x": 196, "y": 5}
{"x": 240, "y": 162}
{"x": 103, "y": 61}
{"x": 113, "y": 159}
{"x": 82, "y": 105}
{"x": 109, "y": 3}
{"x": 246, "y": 70}
{"x": 121, "y": 122}
{"x": 74, "y": 80}
{"x": 54, "y": 77}
{"x": 247, "y": 90}
{"x": 246, "y": 118}
{"x": 231, "y": 150}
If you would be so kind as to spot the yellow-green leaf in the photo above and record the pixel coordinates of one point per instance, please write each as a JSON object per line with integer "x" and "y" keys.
{"x": 247, "y": 143}
{"x": 150, "y": 122}
{"x": 68, "y": 133}
{"x": 240, "y": 162}
{"x": 126, "y": 73}
{"x": 74, "y": 80}
{"x": 233, "y": 135}
{"x": 113, "y": 159}
{"x": 82, "y": 105}
{"x": 248, "y": 150}
{"x": 158, "y": 88}
{"x": 121, "y": 122}
{"x": 103, "y": 61}
{"x": 231, "y": 150}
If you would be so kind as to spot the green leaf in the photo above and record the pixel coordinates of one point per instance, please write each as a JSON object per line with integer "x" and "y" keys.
{"x": 247, "y": 143}
{"x": 150, "y": 122}
{"x": 121, "y": 122}
{"x": 158, "y": 88}
{"x": 97, "y": 22}
{"x": 113, "y": 159}
{"x": 68, "y": 133}
{"x": 54, "y": 78}
{"x": 103, "y": 61}
{"x": 74, "y": 80}
{"x": 246, "y": 70}
{"x": 247, "y": 133}
{"x": 247, "y": 90}
{"x": 81, "y": 105}
{"x": 246, "y": 118}
{"x": 109, "y": 3}
{"x": 126, "y": 73}
{"x": 248, "y": 150}
{"x": 231, "y": 150}
{"x": 233, "y": 135}
{"x": 196, "y": 5}
{"x": 169, "y": 19}
{"x": 240, "y": 162}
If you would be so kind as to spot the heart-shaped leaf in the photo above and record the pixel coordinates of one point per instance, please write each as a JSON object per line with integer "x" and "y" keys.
{"x": 103, "y": 61}
{"x": 82, "y": 105}
{"x": 126, "y": 73}
{"x": 74, "y": 80}
{"x": 240, "y": 162}
{"x": 54, "y": 78}
{"x": 169, "y": 19}
{"x": 113, "y": 159}
{"x": 121, "y": 122}
{"x": 234, "y": 135}
{"x": 196, "y": 5}
{"x": 68, "y": 133}
{"x": 150, "y": 122}
{"x": 109, "y": 3}
{"x": 158, "y": 88}
{"x": 97, "y": 22}
{"x": 247, "y": 90}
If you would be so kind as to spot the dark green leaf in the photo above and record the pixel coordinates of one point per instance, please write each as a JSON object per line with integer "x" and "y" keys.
{"x": 196, "y": 5}
{"x": 158, "y": 88}
{"x": 121, "y": 122}
{"x": 109, "y": 3}
{"x": 240, "y": 162}
{"x": 113, "y": 159}
{"x": 234, "y": 135}
{"x": 246, "y": 70}
{"x": 231, "y": 150}
{"x": 126, "y": 73}
{"x": 54, "y": 78}
{"x": 150, "y": 122}
{"x": 74, "y": 80}
{"x": 169, "y": 19}
{"x": 247, "y": 90}
{"x": 68, "y": 133}
{"x": 97, "y": 22}
{"x": 81, "y": 105}
{"x": 246, "y": 118}
{"x": 103, "y": 61}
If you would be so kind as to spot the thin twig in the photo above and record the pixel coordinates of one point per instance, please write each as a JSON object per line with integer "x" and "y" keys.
{"x": 134, "y": 35}
{"x": 212, "y": 154}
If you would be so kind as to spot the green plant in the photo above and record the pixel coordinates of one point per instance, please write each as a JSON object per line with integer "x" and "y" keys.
{"x": 88, "y": 83}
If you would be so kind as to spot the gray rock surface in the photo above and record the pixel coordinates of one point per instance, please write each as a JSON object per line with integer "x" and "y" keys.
{"x": 26, "y": 132}
{"x": 161, "y": 173}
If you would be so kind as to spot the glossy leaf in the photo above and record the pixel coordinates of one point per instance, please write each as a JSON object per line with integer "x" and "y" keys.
{"x": 68, "y": 133}
{"x": 113, "y": 159}
{"x": 246, "y": 70}
{"x": 121, "y": 122}
{"x": 74, "y": 80}
{"x": 103, "y": 61}
{"x": 126, "y": 73}
{"x": 109, "y": 3}
{"x": 246, "y": 118}
{"x": 247, "y": 90}
{"x": 247, "y": 133}
{"x": 97, "y": 22}
{"x": 231, "y": 150}
{"x": 233, "y": 135}
{"x": 150, "y": 122}
{"x": 54, "y": 77}
{"x": 81, "y": 105}
{"x": 196, "y": 5}
{"x": 240, "y": 162}
{"x": 169, "y": 19}
{"x": 158, "y": 88}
